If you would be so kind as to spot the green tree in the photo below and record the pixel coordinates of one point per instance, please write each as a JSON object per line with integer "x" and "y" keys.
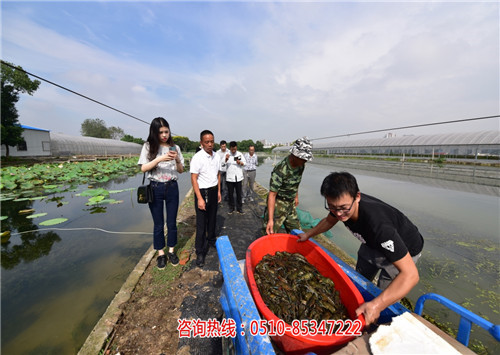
{"x": 129, "y": 138}
{"x": 116, "y": 132}
{"x": 95, "y": 128}
{"x": 245, "y": 144}
{"x": 259, "y": 147}
{"x": 13, "y": 81}
{"x": 183, "y": 142}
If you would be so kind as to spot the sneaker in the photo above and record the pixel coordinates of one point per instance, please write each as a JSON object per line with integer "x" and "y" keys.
{"x": 241, "y": 212}
{"x": 242, "y": 200}
{"x": 174, "y": 260}
{"x": 230, "y": 212}
{"x": 161, "y": 261}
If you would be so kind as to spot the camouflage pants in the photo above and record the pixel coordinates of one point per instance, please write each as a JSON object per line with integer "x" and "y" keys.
{"x": 284, "y": 214}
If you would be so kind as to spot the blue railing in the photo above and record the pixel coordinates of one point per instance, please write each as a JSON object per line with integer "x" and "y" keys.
{"x": 466, "y": 317}
{"x": 237, "y": 303}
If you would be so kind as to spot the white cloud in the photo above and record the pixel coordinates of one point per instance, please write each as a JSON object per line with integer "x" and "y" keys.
{"x": 311, "y": 69}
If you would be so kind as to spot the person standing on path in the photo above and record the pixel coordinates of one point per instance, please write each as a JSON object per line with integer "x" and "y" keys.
{"x": 222, "y": 156}
{"x": 162, "y": 160}
{"x": 283, "y": 195}
{"x": 205, "y": 178}
{"x": 391, "y": 243}
{"x": 235, "y": 161}
{"x": 250, "y": 173}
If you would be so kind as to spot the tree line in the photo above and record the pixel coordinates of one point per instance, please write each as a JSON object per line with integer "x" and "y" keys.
{"x": 96, "y": 127}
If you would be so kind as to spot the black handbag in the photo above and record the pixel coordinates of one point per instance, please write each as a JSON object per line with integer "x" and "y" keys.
{"x": 144, "y": 192}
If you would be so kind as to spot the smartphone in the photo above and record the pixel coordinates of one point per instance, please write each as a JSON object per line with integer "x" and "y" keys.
{"x": 173, "y": 149}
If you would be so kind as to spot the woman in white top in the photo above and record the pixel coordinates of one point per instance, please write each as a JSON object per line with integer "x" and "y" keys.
{"x": 163, "y": 161}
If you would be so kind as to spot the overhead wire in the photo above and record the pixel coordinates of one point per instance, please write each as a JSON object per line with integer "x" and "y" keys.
{"x": 405, "y": 127}
{"x": 312, "y": 139}
{"x": 73, "y": 92}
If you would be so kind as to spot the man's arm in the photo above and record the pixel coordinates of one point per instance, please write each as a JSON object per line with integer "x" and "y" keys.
{"x": 324, "y": 225}
{"x": 196, "y": 188}
{"x": 219, "y": 196}
{"x": 271, "y": 203}
{"x": 397, "y": 289}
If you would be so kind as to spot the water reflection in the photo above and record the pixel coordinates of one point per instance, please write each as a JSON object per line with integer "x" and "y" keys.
{"x": 460, "y": 225}
{"x": 56, "y": 283}
{"x": 33, "y": 246}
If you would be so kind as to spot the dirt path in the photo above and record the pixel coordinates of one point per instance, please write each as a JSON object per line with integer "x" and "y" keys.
{"x": 148, "y": 324}
{"x": 149, "y": 321}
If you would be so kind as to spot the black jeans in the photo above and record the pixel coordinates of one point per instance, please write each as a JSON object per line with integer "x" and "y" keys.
{"x": 231, "y": 186}
{"x": 205, "y": 220}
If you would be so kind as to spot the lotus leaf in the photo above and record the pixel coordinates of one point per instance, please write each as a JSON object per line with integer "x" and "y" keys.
{"x": 37, "y": 215}
{"x": 37, "y": 198}
{"x": 21, "y": 199}
{"x": 94, "y": 192}
{"x": 9, "y": 185}
{"x": 31, "y": 210}
{"x": 50, "y": 187}
{"x": 27, "y": 185}
{"x": 3, "y": 218}
{"x": 96, "y": 199}
{"x": 7, "y": 197}
{"x": 51, "y": 222}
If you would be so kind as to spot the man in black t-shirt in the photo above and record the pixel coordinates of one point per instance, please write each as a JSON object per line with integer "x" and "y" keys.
{"x": 390, "y": 241}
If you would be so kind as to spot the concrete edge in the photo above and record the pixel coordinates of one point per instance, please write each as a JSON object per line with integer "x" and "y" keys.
{"x": 105, "y": 325}
{"x": 102, "y": 330}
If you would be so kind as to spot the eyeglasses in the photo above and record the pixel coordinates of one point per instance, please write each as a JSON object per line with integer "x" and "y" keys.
{"x": 339, "y": 210}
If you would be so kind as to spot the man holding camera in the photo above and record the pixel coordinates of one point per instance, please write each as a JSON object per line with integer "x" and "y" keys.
{"x": 250, "y": 172}
{"x": 222, "y": 155}
{"x": 234, "y": 176}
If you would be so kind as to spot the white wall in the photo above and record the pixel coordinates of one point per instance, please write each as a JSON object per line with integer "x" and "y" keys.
{"x": 37, "y": 144}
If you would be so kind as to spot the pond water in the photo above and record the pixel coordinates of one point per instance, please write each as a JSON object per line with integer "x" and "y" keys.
{"x": 57, "y": 283}
{"x": 460, "y": 225}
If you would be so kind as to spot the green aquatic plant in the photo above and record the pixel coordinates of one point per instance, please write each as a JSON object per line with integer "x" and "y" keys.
{"x": 52, "y": 177}
{"x": 54, "y": 221}
{"x": 36, "y": 215}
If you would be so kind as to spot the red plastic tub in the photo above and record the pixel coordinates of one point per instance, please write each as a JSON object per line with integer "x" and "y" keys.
{"x": 349, "y": 294}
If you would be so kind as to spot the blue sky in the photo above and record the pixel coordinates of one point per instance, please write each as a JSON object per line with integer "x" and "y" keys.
{"x": 258, "y": 70}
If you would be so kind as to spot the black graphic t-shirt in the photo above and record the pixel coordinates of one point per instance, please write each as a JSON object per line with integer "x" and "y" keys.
{"x": 384, "y": 228}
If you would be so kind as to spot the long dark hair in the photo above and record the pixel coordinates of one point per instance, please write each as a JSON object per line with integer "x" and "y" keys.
{"x": 154, "y": 139}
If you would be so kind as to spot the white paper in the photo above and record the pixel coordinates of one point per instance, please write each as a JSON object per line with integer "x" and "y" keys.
{"x": 407, "y": 335}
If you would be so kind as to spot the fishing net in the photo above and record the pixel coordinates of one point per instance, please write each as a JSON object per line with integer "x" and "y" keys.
{"x": 307, "y": 221}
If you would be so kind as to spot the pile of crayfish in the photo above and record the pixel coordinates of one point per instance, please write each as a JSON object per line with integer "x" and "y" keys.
{"x": 292, "y": 289}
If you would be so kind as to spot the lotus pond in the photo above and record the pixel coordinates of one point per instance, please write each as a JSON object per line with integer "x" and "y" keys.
{"x": 76, "y": 232}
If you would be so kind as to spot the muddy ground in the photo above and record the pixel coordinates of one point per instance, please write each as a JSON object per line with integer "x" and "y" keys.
{"x": 150, "y": 318}
{"x": 149, "y": 321}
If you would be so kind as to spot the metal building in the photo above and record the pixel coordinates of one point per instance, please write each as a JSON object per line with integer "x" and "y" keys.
{"x": 36, "y": 143}
{"x": 450, "y": 145}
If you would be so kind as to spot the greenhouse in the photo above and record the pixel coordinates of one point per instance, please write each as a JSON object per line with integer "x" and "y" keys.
{"x": 450, "y": 145}
{"x": 65, "y": 145}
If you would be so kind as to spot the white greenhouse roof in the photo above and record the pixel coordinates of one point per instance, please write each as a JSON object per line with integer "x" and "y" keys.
{"x": 473, "y": 138}
{"x": 64, "y": 144}
{"x": 469, "y": 138}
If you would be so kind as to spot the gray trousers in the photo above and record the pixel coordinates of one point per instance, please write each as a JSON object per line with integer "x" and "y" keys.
{"x": 249, "y": 180}
{"x": 370, "y": 261}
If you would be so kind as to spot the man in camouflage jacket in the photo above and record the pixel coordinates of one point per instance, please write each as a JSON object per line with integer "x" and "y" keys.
{"x": 284, "y": 189}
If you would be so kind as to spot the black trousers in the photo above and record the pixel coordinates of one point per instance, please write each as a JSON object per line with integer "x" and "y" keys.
{"x": 205, "y": 220}
{"x": 231, "y": 186}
